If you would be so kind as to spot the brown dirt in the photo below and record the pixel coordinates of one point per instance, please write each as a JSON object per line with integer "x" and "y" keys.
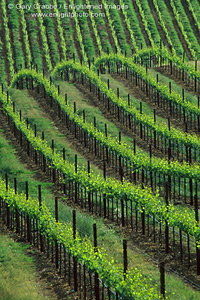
{"x": 157, "y": 21}
{"x": 191, "y": 20}
{"x": 108, "y": 30}
{"x": 75, "y": 38}
{"x": 135, "y": 91}
{"x": 22, "y": 39}
{"x": 136, "y": 239}
{"x": 109, "y": 116}
{"x": 89, "y": 23}
{"x": 124, "y": 26}
{"x": 7, "y": 70}
{"x": 176, "y": 27}
{"x": 74, "y": 143}
{"x": 156, "y": 251}
{"x": 39, "y": 39}
{"x": 188, "y": 88}
{"x": 57, "y": 36}
{"x": 148, "y": 43}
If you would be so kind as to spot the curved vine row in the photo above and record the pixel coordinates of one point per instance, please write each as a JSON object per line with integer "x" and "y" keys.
{"x": 7, "y": 37}
{"x": 139, "y": 161}
{"x": 111, "y": 26}
{"x": 110, "y": 188}
{"x": 182, "y": 28}
{"x": 25, "y": 36}
{"x": 78, "y": 32}
{"x": 134, "y": 286}
{"x": 44, "y": 37}
{"x": 174, "y": 135}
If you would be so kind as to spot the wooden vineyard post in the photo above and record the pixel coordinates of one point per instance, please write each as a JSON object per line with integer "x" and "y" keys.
{"x": 104, "y": 170}
{"x": 74, "y": 259}
{"x": 104, "y": 205}
{"x": 197, "y": 220}
{"x": 195, "y": 79}
{"x": 28, "y": 220}
{"x": 169, "y": 126}
{"x": 88, "y": 168}
{"x": 63, "y": 153}
{"x": 166, "y": 223}
{"x": 75, "y": 163}
{"x": 141, "y": 108}
{"x": 52, "y": 146}
{"x": 143, "y": 211}
{"x": 120, "y": 169}
{"x": 125, "y": 257}
{"x": 7, "y": 207}
{"x": 40, "y": 204}
{"x": 196, "y": 205}
{"x": 120, "y": 137}
{"x": 150, "y": 152}
{"x": 170, "y": 87}
{"x": 154, "y": 139}
{"x": 106, "y": 132}
{"x": 162, "y": 278}
{"x": 64, "y": 184}
{"x": 96, "y": 279}
{"x": 122, "y": 209}
{"x": 16, "y": 212}
{"x": 128, "y": 100}
{"x": 76, "y": 188}
{"x": 169, "y": 154}
{"x": 191, "y": 192}
{"x": 56, "y": 243}
{"x": 154, "y": 112}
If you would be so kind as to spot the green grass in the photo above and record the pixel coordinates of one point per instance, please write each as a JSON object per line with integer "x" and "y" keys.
{"x": 124, "y": 90}
{"x": 164, "y": 80}
{"x": 36, "y": 115}
{"x": 108, "y": 236}
{"x": 30, "y": 109}
{"x": 92, "y": 111}
{"x": 18, "y": 279}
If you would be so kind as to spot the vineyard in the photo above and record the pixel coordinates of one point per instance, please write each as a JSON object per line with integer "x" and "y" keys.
{"x": 100, "y": 142}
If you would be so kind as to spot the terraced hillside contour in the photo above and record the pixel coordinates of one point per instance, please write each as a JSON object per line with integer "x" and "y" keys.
{"x": 101, "y": 101}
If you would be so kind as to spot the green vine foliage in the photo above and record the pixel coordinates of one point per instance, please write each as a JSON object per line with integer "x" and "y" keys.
{"x": 111, "y": 188}
{"x": 164, "y": 52}
{"x": 156, "y": 165}
{"x": 174, "y": 135}
{"x": 141, "y": 71}
{"x": 177, "y": 136}
{"x": 7, "y": 38}
{"x": 134, "y": 287}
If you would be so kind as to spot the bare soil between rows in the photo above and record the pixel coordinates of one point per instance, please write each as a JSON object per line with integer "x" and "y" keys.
{"x": 144, "y": 243}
